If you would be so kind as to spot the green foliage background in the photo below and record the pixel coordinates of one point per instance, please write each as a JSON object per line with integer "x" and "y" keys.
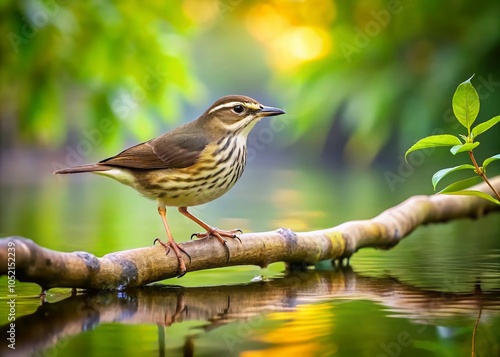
{"x": 370, "y": 76}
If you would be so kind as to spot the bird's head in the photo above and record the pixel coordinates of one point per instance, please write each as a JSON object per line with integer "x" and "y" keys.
{"x": 237, "y": 114}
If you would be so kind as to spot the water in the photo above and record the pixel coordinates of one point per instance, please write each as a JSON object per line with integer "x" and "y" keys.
{"x": 421, "y": 298}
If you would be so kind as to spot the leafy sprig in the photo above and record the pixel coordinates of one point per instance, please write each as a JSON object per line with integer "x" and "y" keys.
{"x": 466, "y": 106}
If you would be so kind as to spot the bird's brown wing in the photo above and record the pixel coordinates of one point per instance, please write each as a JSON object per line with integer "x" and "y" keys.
{"x": 183, "y": 151}
{"x": 166, "y": 151}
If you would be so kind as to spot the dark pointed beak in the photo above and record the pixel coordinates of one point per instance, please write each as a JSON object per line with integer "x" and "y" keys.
{"x": 270, "y": 111}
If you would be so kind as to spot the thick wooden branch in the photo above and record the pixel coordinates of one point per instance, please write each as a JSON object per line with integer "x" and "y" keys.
{"x": 137, "y": 267}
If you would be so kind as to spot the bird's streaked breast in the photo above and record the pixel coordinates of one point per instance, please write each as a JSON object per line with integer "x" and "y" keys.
{"x": 217, "y": 169}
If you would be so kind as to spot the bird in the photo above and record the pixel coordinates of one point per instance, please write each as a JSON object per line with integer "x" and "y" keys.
{"x": 190, "y": 165}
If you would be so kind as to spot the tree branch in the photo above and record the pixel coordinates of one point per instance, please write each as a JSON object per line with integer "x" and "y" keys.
{"x": 137, "y": 267}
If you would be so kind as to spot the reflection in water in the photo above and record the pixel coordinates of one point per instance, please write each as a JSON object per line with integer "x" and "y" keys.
{"x": 300, "y": 309}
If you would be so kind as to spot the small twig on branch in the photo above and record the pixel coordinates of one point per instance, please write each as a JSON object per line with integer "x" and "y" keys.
{"x": 482, "y": 173}
{"x": 137, "y": 267}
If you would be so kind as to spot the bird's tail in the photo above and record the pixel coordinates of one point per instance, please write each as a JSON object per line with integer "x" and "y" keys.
{"x": 83, "y": 168}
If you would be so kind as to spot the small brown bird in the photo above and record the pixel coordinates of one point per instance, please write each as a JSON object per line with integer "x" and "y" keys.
{"x": 190, "y": 165}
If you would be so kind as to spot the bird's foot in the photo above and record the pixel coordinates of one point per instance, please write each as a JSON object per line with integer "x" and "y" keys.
{"x": 177, "y": 251}
{"x": 220, "y": 234}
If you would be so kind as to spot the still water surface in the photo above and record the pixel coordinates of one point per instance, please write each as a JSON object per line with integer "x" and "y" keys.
{"x": 421, "y": 298}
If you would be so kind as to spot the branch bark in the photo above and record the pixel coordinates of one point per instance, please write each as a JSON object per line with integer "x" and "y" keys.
{"x": 137, "y": 267}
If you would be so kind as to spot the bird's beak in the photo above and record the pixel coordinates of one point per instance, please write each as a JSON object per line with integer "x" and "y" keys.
{"x": 270, "y": 111}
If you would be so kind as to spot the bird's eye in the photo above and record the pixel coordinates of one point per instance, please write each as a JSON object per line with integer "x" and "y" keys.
{"x": 238, "y": 109}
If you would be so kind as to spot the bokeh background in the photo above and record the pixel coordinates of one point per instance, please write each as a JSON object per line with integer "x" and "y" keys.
{"x": 360, "y": 80}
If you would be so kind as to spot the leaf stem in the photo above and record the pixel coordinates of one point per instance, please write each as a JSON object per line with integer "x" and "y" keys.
{"x": 480, "y": 172}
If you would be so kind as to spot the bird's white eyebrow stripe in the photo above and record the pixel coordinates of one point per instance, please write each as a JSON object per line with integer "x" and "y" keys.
{"x": 225, "y": 105}
{"x": 232, "y": 104}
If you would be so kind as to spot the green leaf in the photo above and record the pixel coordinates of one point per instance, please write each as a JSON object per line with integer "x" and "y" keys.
{"x": 442, "y": 173}
{"x": 481, "y": 128}
{"x": 463, "y": 147}
{"x": 433, "y": 141}
{"x": 460, "y": 185}
{"x": 466, "y": 104}
{"x": 475, "y": 193}
{"x": 490, "y": 160}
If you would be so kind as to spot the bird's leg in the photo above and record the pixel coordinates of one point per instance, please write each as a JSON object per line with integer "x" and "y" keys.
{"x": 162, "y": 210}
{"x": 210, "y": 231}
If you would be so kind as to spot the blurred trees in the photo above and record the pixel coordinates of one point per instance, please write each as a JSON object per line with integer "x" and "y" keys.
{"x": 67, "y": 65}
{"x": 356, "y": 77}
{"x": 386, "y": 69}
